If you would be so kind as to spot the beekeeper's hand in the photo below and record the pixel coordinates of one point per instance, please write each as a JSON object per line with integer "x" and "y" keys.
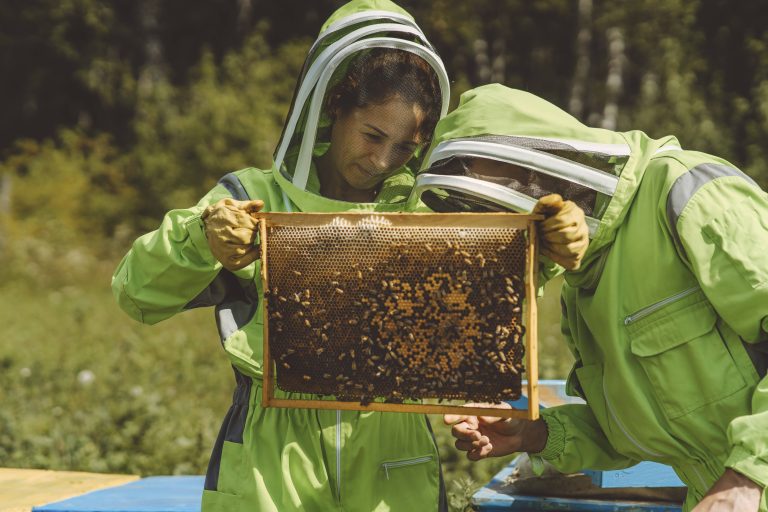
{"x": 733, "y": 491}
{"x": 231, "y": 229}
{"x": 563, "y": 234}
{"x": 489, "y": 436}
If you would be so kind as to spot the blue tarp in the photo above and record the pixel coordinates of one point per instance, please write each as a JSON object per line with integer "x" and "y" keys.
{"x": 153, "y": 494}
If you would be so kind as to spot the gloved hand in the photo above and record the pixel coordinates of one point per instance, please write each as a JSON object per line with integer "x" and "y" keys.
{"x": 231, "y": 230}
{"x": 563, "y": 234}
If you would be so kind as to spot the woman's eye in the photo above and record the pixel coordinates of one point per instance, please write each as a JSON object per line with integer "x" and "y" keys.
{"x": 373, "y": 137}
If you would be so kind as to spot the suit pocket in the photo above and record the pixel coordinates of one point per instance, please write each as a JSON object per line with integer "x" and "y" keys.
{"x": 684, "y": 356}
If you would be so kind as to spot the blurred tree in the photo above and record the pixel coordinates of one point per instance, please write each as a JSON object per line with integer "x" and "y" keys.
{"x": 227, "y": 118}
{"x": 186, "y": 92}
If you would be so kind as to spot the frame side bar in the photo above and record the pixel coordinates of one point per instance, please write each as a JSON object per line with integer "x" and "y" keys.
{"x": 266, "y": 397}
{"x": 532, "y": 361}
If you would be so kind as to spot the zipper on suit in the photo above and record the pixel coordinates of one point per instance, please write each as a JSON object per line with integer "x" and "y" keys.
{"x": 402, "y": 463}
{"x": 624, "y": 431}
{"x": 636, "y": 443}
{"x": 638, "y": 315}
{"x": 701, "y": 478}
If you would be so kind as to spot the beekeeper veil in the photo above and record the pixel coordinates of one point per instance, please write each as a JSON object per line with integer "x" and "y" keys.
{"x": 368, "y": 53}
{"x": 502, "y": 150}
{"x": 497, "y": 173}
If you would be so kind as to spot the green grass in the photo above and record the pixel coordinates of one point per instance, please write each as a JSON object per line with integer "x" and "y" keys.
{"x": 83, "y": 387}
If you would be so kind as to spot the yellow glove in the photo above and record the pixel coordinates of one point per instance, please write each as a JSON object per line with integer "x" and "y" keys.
{"x": 231, "y": 230}
{"x": 563, "y": 234}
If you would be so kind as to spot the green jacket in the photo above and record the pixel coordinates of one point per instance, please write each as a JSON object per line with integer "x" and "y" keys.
{"x": 282, "y": 459}
{"x": 669, "y": 310}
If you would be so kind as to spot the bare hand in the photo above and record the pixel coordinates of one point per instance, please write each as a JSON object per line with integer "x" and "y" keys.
{"x": 489, "y": 436}
{"x": 733, "y": 492}
{"x": 231, "y": 229}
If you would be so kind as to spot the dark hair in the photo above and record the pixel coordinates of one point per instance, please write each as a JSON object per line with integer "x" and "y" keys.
{"x": 375, "y": 76}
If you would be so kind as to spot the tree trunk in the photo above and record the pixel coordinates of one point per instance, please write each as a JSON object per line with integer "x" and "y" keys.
{"x": 614, "y": 81}
{"x": 499, "y": 63}
{"x": 6, "y": 183}
{"x": 581, "y": 72}
{"x": 482, "y": 61}
{"x": 244, "y": 8}
{"x": 5, "y": 194}
{"x": 153, "y": 71}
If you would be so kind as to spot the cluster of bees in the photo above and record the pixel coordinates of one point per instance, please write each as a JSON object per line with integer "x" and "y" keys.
{"x": 438, "y": 319}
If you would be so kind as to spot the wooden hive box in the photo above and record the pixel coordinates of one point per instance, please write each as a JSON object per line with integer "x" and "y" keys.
{"x": 383, "y": 311}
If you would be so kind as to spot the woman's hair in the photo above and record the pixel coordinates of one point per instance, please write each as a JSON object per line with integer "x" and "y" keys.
{"x": 376, "y": 76}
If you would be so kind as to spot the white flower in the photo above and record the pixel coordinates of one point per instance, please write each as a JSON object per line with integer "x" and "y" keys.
{"x": 86, "y": 377}
{"x": 25, "y": 372}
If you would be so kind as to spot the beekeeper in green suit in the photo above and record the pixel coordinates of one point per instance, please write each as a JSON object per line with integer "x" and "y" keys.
{"x": 667, "y": 313}
{"x": 369, "y": 96}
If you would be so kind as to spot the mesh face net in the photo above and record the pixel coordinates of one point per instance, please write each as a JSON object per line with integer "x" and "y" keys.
{"x": 532, "y": 183}
{"x": 610, "y": 163}
{"x": 369, "y": 308}
{"x": 367, "y": 122}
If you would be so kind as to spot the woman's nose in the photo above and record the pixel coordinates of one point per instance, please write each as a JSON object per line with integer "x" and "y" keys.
{"x": 381, "y": 158}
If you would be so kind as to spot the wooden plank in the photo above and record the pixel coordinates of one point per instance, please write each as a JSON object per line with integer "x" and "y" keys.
{"x": 22, "y": 489}
{"x": 532, "y": 335}
{"x": 515, "y": 487}
{"x": 267, "y": 391}
{"x": 407, "y": 220}
{"x": 389, "y": 407}
{"x": 644, "y": 474}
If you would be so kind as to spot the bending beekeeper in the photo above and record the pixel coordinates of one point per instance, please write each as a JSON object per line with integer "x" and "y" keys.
{"x": 667, "y": 313}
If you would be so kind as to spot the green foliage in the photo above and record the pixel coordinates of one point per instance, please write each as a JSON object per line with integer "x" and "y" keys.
{"x": 72, "y": 187}
{"x": 229, "y": 117}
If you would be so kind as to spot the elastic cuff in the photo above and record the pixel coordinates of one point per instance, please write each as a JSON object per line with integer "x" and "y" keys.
{"x": 196, "y": 229}
{"x": 749, "y": 465}
{"x": 555, "y": 438}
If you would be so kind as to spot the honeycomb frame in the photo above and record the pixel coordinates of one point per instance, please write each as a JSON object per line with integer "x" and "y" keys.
{"x": 336, "y": 280}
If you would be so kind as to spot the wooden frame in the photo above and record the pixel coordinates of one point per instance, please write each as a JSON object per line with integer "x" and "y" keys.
{"x": 520, "y": 221}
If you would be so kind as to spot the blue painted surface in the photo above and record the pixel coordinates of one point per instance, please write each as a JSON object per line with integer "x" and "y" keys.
{"x": 645, "y": 474}
{"x": 153, "y": 494}
{"x": 551, "y": 393}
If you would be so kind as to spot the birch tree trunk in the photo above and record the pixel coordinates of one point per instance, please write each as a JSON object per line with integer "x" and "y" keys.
{"x": 583, "y": 61}
{"x": 6, "y": 183}
{"x": 614, "y": 80}
{"x": 499, "y": 63}
{"x": 152, "y": 72}
{"x": 244, "y": 8}
{"x": 482, "y": 61}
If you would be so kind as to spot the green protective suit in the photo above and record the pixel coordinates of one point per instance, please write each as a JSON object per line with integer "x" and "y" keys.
{"x": 280, "y": 459}
{"x": 668, "y": 315}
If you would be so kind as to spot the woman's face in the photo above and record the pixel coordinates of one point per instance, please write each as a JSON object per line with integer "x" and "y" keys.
{"x": 369, "y": 143}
